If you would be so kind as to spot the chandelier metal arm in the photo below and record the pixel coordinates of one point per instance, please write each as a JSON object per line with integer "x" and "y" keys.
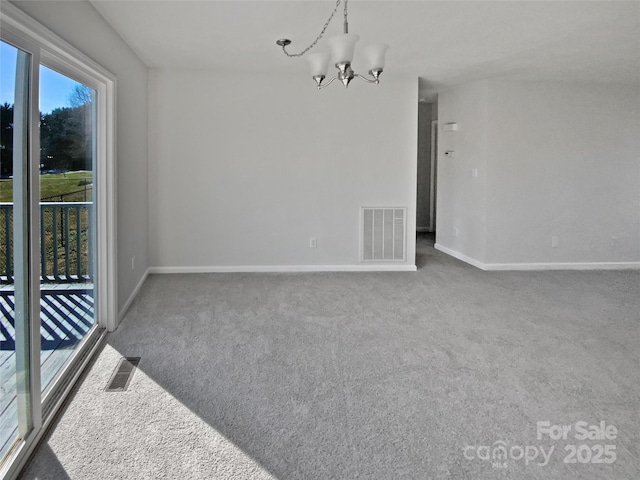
{"x": 375, "y": 80}
{"x": 328, "y": 83}
{"x": 284, "y": 42}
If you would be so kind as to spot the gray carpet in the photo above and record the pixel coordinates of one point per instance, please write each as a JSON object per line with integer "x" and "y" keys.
{"x": 352, "y": 375}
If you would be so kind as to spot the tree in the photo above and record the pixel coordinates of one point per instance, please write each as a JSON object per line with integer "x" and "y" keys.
{"x": 66, "y": 135}
{"x": 65, "y": 139}
{"x": 80, "y": 96}
{"x": 6, "y": 140}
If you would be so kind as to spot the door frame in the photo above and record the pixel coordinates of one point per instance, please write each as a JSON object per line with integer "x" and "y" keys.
{"x": 432, "y": 176}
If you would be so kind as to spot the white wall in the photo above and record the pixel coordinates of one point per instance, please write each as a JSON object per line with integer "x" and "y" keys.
{"x": 245, "y": 168}
{"x": 83, "y": 27}
{"x": 461, "y": 196}
{"x": 560, "y": 160}
{"x": 564, "y": 161}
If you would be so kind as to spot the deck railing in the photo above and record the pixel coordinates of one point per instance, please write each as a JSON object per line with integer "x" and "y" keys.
{"x": 65, "y": 242}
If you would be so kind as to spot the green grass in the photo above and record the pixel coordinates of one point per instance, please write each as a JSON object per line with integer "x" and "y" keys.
{"x": 54, "y": 184}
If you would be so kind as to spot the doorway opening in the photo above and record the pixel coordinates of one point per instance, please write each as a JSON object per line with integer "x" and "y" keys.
{"x": 427, "y": 179}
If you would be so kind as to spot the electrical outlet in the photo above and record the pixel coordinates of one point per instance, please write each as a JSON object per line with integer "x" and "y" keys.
{"x": 313, "y": 242}
{"x": 133, "y": 263}
{"x": 614, "y": 241}
{"x": 554, "y": 241}
{"x": 455, "y": 232}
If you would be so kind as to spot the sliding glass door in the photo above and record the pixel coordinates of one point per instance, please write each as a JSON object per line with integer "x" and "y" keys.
{"x": 67, "y": 227}
{"x": 15, "y": 261}
{"x": 57, "y": 223}
{"x": 61, "y": 225}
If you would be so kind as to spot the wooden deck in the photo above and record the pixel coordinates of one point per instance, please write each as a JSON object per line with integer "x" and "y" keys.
{"x": 66, "y": 315}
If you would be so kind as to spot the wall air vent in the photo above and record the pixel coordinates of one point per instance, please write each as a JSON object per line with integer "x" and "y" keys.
{"x": 383, "y": 234}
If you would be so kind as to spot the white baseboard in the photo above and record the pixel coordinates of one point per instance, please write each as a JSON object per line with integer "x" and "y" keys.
{"x": 133, "y": 295}
{"x": 287, "y": 268}
{"x": 564, "y": 266}
{"x": 539, "y": 265}
{"x": 460, "y": 256}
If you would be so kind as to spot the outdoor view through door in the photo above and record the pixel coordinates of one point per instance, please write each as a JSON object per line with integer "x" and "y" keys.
{"x": 65, "y": 234}
{"x": 66, "y": 218}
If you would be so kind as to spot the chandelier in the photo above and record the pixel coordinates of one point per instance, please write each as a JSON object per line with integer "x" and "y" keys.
{"x": 342, "y": 48}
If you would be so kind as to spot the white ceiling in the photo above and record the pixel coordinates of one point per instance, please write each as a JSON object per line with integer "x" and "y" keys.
{"x": 443, "y": 42}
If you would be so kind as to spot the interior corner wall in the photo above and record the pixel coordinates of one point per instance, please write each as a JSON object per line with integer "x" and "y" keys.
{"x": 460, "y": 205}
{"x": 553, "y": 160}
{"x": 565, "y": 162}
{"x": 83, "y": 27}
{"x": 246, "y": 169}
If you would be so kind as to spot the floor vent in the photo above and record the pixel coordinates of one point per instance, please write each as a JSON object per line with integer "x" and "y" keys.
{"x": 122, "y": 375}
{"x": 383, "y": 234}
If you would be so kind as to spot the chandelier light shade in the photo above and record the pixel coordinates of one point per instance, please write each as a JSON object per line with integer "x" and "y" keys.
{"x": 375, "y": 55}
{"x": 342, "y": 50}
{"x": 319, "y": 63}
{"x": 342, "y": 47}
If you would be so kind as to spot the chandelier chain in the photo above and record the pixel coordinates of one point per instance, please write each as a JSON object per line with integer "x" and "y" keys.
{"x": 326, "y": 24}
{"x": 345, "y": 12}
